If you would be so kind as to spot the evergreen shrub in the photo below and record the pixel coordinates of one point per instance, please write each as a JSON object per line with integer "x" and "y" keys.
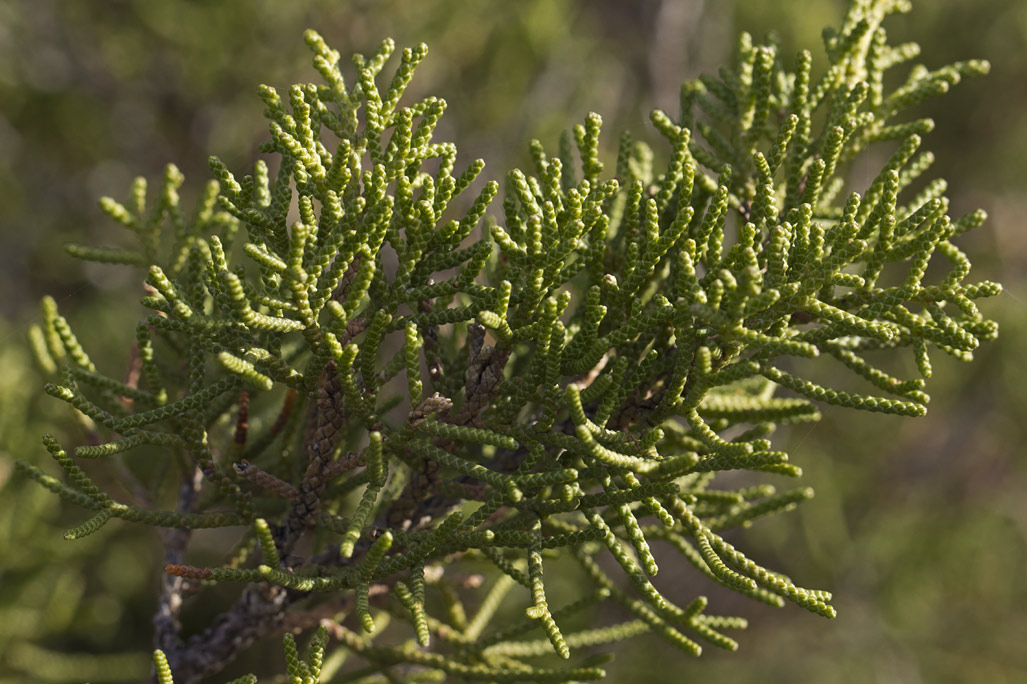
{"x": 399, "y": 398}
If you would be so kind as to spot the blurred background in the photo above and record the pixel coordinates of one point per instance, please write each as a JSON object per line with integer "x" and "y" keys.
{"x": 919, "y": 526}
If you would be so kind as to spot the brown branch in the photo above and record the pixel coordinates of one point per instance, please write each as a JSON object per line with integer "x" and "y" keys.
{"x": 242, "y": 421}
{"x": 344, "y": 282}
{"x": 266, "y": 480}
{"x": 167, "y": 627}
{"x": 135, "y": 368}
{"x": 485, "y": 365}
{"x": 353, "y": 328}
{"x": 430, "y": 334}
{"x": 256, "y": 614}
{"x": 188, "y": 571}
{"x": 328, "y": 421}
{"x": 341, "y": 466}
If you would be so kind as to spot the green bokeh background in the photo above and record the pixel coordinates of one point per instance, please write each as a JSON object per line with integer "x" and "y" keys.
{"x": 919, "y": 526}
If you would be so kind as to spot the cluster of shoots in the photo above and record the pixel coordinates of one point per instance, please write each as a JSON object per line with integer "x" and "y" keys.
{"x": 408, "y": 398}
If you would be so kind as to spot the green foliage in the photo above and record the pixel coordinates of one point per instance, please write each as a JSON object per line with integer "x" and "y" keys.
{"x": 574, "y": 376}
